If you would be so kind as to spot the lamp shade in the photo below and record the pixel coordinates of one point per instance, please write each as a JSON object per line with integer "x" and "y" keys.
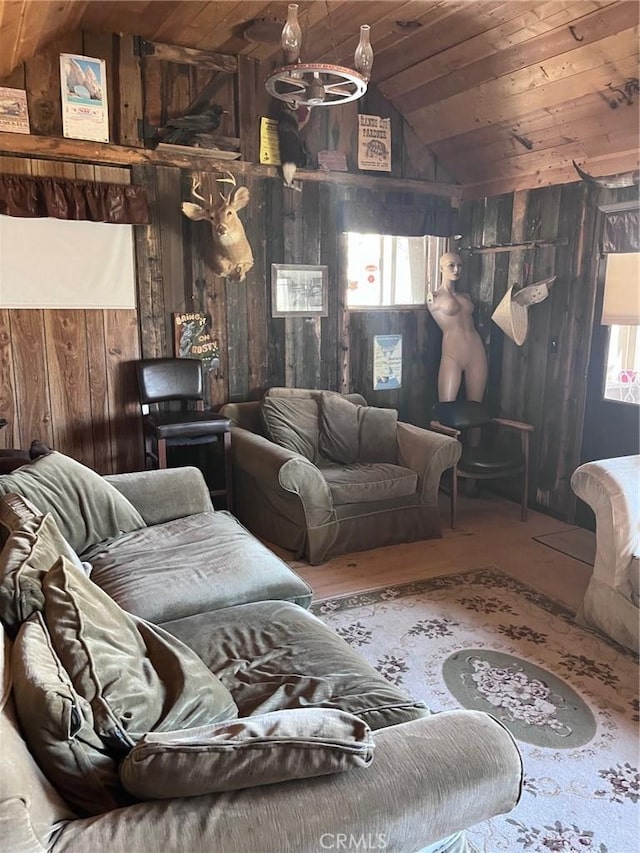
{"x": 621, "y": 305}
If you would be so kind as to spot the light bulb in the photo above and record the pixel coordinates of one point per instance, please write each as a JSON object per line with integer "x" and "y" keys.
{"x": 291, "y": 38}
{"x": 363, "y": 57}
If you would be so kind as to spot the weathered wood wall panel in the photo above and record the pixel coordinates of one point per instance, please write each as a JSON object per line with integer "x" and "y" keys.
{"x": 542, "y": 382}
{"x": 68, "y": 376}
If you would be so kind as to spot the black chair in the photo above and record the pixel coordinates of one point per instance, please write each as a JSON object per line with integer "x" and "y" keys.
{"x": 172, "y": 400}
{"x": 482, "y": 460}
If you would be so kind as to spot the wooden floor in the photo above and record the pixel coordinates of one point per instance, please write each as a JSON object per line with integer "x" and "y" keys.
{"x": 489, "y": 533}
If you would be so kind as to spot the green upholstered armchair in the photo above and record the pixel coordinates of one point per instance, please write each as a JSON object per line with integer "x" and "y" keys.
{"x": 322, "y": 474}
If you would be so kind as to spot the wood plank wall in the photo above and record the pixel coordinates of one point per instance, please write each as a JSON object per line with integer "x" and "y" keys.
{"x": 67, "y": 376}
{"x": 77, "y": 392}
{"x": 544, "y": 381}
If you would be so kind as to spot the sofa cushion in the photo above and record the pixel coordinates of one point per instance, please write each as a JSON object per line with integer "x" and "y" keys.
{"x": 364, "y": 483}
{"x": 86, "y": 508}
{"x": 135, "y": 677}
{"x": 292, "y": 422}
{"x": 58, "y": 725}
{"x": 192, "y": 565}
{"x": 21, "y": 777}
{"x": 260, "y": 750}
{"x": 273, "y": 655}
{"x": 32, "y": 548}
{"x": 351, "y": 433}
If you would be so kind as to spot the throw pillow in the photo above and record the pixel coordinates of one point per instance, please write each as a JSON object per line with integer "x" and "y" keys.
{"x": 338, "y": 427}
{"x": 58, "y": 725}
{"x": 262, "y": 750}
{"x": 350, "y": 433}
{"x": 33, "y": 546}
{"x": 86, "y": 508}
{"x": 136, "y": 677}
{"x": 292, "y": 422}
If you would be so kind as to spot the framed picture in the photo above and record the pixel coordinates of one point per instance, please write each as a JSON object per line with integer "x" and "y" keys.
{"x": 387, "y": 362}
{"x": 299, "y": 290}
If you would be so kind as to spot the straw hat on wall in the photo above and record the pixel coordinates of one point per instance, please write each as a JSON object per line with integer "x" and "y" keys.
{"x": 512, "y": 312}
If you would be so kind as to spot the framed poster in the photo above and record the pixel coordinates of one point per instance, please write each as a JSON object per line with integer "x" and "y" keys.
{"x": 14, "y": 115}
{"x": 192, "y": 339}
{"x": 387, "y": 362}
{"x": 299, "y": 290}
{"x": 83, "y": 87}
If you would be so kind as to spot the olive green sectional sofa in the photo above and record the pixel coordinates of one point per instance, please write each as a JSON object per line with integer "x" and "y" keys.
{"x": 165, "y": 688}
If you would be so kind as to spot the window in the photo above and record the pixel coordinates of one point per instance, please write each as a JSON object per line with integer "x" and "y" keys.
{"x": 623, "y": 365}
{"x": 622, "y": 307}
{"x": 391, "y": 272}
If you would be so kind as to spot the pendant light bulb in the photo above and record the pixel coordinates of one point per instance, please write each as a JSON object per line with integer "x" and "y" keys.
{"x": 291, "y": 38}
{"x": 363, "y": 57}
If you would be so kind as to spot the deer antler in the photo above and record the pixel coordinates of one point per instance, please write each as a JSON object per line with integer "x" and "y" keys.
{"x": 196, "y": 184}
{"x": 230, "y": 180}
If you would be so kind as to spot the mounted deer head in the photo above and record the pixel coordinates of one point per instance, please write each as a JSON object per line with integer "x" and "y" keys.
{"x": 232, "y": 256}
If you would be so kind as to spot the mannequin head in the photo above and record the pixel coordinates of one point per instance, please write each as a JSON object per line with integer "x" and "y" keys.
{"x": 450, "y": 266}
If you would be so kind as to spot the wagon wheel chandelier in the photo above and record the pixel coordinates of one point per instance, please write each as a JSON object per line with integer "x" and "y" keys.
{"x": 318, "y": 84}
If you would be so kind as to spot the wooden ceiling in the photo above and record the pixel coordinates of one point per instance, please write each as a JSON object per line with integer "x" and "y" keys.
{"x": 506, "y": 94}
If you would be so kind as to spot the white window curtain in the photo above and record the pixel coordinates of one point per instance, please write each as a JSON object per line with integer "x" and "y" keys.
{"x": 622, "y": 290}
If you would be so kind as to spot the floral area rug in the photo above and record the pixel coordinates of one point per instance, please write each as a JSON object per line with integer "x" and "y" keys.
{"x": 484, "y": 640}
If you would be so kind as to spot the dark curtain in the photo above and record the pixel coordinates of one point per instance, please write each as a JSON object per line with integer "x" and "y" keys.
{"x": 621, "y": 232}
{"x": 408, "y": 216}
{"x": 60, "y": 198}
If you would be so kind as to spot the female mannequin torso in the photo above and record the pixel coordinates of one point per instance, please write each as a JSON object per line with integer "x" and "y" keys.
{"x": 462, "y": 348}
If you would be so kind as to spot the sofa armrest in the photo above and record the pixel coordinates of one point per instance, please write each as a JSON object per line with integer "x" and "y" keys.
{"x": 610, "y": 488}
{"x": 428, "y": 454}
{"x": 429, "y": 779}
{"x": 278, "y": 469}
{"x": 162, "y": 495}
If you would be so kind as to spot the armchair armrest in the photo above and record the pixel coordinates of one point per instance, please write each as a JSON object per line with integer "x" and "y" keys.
{"x": 279, "y": 470}
{"x": 428, "y": 454}
{"x": 436, "y": 426}
{"x": 430, "y": 778}
{"x": 163, "y": 495}
{"x": 509, "y": 424}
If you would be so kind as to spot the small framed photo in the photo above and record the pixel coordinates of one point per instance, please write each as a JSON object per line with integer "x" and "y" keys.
{"x": 299, "y": 290}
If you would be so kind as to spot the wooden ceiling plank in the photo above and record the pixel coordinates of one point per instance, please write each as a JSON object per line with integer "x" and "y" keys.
{"x": 178, "y": 22}
{"x": 380, "y": 17}
{"x": 497, "y": 154}
{"x": 30, "y": 26}
{"x": 455, "y": 23}
{"x": 112, "y": 16}
{"x": 320, "y": 31}
{"x": 562, "y": 154}
{"x": 550, "y": 119}
{"x": 622, "y": 161}
{"x": 233, "y": 17}
{"x": 320, "y": 43}
{"x": 458, "y": 55}
{"x": 514, "y": 55}
{"x": 562, "y": 78}
{"x": 313, "y": 21}
{"x": 11, "y": 24}
{"x": 424, "y": 14}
